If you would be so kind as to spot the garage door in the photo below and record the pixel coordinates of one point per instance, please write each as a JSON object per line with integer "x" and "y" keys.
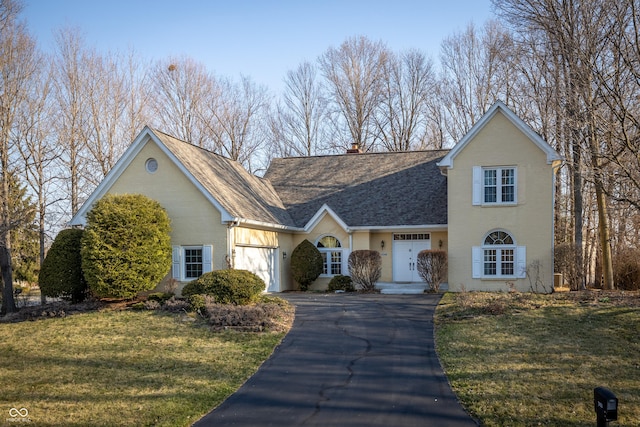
{"x": 262, "y": 262}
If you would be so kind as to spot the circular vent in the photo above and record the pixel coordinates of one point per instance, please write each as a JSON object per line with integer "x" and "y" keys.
{"x": 151, "y": 165}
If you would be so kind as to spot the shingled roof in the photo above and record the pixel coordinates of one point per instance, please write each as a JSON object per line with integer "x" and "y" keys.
{"x": 364, "y": 190}
{"x": 242, "y": 194}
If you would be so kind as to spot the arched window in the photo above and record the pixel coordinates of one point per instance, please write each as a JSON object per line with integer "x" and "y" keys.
{"x": 331, "y": 251}
{"x": 499, "y": 257}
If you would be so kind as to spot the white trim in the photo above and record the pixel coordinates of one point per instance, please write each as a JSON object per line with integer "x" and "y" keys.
{"x": 477, "y": 192}
{"x": 325, "y": 210}
{"x": 327, "y": 251}
{"x": 552, "y": 155}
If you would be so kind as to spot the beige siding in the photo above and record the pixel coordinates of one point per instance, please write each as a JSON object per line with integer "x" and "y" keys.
{"x": 252, "y": 237}
{"x": 500, "y": 143}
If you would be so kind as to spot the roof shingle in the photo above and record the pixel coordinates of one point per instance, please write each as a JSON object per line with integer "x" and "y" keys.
{"x": 364, "y": 190}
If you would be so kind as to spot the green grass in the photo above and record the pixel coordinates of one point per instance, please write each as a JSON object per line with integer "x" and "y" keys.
{"x": 528, "y": 360}
{"x": 122, "y": 368}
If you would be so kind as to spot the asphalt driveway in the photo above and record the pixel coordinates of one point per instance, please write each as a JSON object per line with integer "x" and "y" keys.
{"x": 349, "y": 360}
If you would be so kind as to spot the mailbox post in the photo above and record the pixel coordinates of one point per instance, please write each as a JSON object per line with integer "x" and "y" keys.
{"x": 606, "y": 405}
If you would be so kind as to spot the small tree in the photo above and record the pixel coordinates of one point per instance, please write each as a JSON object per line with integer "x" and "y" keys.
{"x": 365, "y": 268}
{"x": 432, "y": 267}
{"x": 61, "y": 272}
{"x": 306, "y": 264}
{"x": 126, "y": 246}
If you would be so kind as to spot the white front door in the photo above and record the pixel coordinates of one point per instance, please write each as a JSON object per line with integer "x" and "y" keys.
{"x": 405, "y": 257}
{"x": 260, "y": 261}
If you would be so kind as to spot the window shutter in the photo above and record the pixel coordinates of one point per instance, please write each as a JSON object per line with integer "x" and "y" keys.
{"x": 476, "y": 256}
{"x": 176, "y": 261}
{"x": 521, "y": 262}
{"x": 477, "y": 186}
{"x": 207, "y": 258}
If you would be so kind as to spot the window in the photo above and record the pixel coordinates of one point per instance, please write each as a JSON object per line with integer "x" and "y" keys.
{"x": 331, "y": 251}
{"x": 499, "y": 257}
{"x": 495, "y": 185}
{"x": 190, "y": 262}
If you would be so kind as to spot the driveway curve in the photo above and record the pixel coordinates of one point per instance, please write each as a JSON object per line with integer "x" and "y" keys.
{"x": 349, "y": 360}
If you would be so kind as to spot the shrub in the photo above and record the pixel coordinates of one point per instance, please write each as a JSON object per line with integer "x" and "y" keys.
{"x": 238, "y": 287}
{"x": 268, "y": 316}
{"x": 61, "y": 272}
{"x": 626, "y": 270}
{"x": 306, "y": 264}
{"x": 341, "y": 283}
{"x": 432, "y": 267}
{"x": 126, "y": 246}
{"x": 175, "y": 305}
{"x": 365, "y": 268}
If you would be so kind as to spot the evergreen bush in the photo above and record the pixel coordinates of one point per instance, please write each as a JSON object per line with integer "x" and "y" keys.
{"x": 61, "y": 272}
{"x": 341, "y": 283}
{"x": 306, "y": 264}
{"x": 126, "y": 246}
{"x": 239, "y": 287}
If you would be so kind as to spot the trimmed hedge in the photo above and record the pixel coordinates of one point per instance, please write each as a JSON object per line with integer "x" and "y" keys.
{"x": 61, "y": 272}
{"x": 306, "y": 264}
{"x": 126, "y": 247}
{"x": 239, "y": 287}
{"x": 341, "y": 283}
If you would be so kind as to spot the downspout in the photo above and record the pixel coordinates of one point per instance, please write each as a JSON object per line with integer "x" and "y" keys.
{"x": 231, "y": 243}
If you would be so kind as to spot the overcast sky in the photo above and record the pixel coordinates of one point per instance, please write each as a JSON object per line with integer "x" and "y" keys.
{"x": 261, "y": 39}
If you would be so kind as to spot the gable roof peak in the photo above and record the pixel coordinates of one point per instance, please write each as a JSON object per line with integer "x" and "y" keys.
{"x": 499, "y": 106}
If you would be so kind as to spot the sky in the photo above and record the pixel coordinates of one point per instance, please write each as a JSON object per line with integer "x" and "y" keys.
{"x": 260, "y": 39}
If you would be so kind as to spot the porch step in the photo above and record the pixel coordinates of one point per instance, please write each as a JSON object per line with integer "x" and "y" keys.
{"x": 401, "y": 288}
{"x": 405, "y": 288}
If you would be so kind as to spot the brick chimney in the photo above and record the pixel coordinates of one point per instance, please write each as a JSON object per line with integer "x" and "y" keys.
{"x": 355, "y": 149}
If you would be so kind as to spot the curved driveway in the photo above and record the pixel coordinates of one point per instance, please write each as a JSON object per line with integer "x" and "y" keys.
{"x": 349, "y": 360}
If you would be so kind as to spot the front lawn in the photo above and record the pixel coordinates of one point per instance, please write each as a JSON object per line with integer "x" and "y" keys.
{"x": 527, "y": 360}
{"x": 122, "y": 367}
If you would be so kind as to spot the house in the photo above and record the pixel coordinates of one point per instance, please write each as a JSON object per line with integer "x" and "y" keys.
{"x": 488, "y": 202}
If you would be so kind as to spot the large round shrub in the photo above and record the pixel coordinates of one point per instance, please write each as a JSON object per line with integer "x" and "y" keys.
{"x": 126, "y": 246}
{"x": 61, "y": 272}
{"x": 240, "y": 287}
{"x": 306, "y": 264}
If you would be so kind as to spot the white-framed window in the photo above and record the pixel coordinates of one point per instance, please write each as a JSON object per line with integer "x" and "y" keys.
{"x": 331, "y": 250}
{"x": 191, "y": 262}
{"x": 499, "y": 257}
{"x": 495, "y": 185}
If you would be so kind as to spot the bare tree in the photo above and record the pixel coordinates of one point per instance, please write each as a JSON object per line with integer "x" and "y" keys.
{"x": 355, "y": 77}
{"x": 235, "y": 116}
{"x": 297, "y": 125}
{"x": 39, "y": 152}
{"x": 476, "y": 72}
{"x": 577, "y": 33}
{"x": 181, "y": 88}
{"x": 72, "y": 115}
{"x": 17, "y": 66}
{"x": 116, "y": 109}
{"x": 402, "y": 117}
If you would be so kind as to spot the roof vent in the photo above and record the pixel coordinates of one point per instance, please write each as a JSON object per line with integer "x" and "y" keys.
{"x": 355, "y": 149}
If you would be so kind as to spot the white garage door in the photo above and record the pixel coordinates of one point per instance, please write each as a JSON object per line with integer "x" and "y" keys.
{"x": 262, "y": 262}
